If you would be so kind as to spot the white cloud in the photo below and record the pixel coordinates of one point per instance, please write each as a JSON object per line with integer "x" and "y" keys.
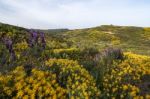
{"x": 73, "y": 13}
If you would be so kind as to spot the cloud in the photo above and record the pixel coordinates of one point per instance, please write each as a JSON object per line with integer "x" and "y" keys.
{"x": 74, "y": 13}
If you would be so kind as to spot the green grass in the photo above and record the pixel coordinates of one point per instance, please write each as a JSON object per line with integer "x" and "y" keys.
{"x": 129, "y": 38}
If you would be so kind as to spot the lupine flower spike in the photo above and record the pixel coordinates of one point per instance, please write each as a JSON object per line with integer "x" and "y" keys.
{"x": 43, "y": 39}
{"x": 35, "y": 37}
{"x": 9, "y": 45}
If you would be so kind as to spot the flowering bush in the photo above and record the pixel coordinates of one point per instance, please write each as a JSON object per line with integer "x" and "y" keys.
{"x": 62, "y": 79}
{"x": 40, "y": 84}
{"x": 126, "y": 79}
{"x": 70, "y": 53}
{"x": 33, "y": 39}
{"x": 78, "y": 82}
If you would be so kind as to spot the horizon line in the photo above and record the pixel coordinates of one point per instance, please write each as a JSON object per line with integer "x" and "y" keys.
{"x": 76, "y": 28}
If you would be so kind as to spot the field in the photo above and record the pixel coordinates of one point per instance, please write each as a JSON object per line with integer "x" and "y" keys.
{"x": 105, "y": 62}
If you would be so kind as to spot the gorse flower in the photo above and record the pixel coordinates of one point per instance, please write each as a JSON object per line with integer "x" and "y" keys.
{"x": 66, "y": 80}
{"x": 126, "y": 78}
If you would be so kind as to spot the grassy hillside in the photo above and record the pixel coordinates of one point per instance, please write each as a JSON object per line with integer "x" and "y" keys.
{"x": 74, "y": 64}
{"x": 135, "y": 39}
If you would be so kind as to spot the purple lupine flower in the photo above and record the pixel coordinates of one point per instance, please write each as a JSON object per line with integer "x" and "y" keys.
{"x": 30, "y": 42}
{"x": 35, "y": 35}
{"x": 29, "y": 39}
{"x": 12, "y": 55}
{"x": 9, "y": 45}
{"x": 42, "y": 36}
{"x": 33, "y": 38}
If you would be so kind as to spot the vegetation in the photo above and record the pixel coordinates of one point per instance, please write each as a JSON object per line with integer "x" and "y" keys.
{"x": 134, "y": 39}
{"x": 106, "y": 62}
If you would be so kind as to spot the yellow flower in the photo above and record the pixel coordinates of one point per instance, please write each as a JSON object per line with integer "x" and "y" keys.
{"x": 58, "y": 89}
{"x": 20, "y": 94}
{"x": 73, "y": 86}
{"x": 147, "y": 96}
{"x": 113, "y": 98}
{"x": 114, "y": 89}
{"x": 138, "y": 97}
{"x": 54, "y": 96}
{"x": 125, "y": 87}
{"x": 25, "y": 97}
{"x": 133, "y": 93}
{"x": 9, "y": 92}
{"x": 73, "y": 92}
{"x": 122, "y": 96}
{"x": 53, "y": 81}
{"x": 72, "y": 97}
{"x": 32, "y": 96}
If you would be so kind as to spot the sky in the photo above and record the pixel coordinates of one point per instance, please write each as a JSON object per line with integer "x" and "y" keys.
{"x": 73, "y": 14}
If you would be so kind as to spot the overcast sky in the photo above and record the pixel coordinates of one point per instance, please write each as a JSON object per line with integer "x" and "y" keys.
{"x": 73, "y": 14}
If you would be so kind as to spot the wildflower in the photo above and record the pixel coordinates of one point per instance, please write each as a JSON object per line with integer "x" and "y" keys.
{"x": 54, "y": 81}
{"x": 113, "y": 98}
{"x": 114, "y": 89}
{"x": 26, "y": 97}
{"x": 12, "y": 55}
{"x": 54, "y": 96}
{"x": 147, "y": 96}
{"x": 30, "y": 42}
{"x": 33, "y": 39}
{"x": 133, "y": 93}
{"x": 9, "y": 45}
{"x": 42, "y": 39}
{"x": 73, "y": 86}
{"x": 122, "y": 96}
{"x": 20, "y": 94}
{"x": 125, "y": 87}
{"x": 35, "y": 36}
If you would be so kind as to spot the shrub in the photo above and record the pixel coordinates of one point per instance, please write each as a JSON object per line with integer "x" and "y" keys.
{"x": 125, "y": 79}
{"x": 60, "y": 78}
{"x": 40, "y": 84}
{"x": 73, "y": 77}
{"x": 70, "y": 53}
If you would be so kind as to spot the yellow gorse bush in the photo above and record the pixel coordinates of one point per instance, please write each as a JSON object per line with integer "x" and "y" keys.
{"x": 65, "y": 50}
{"x": 77, "y": 81}
{"x": 124, "y": 80}
{"x": 40, "y": 84}
{"x": 69, "y": 53}
{"x": 21, "y": 46}
{"x": 63, "y": 79}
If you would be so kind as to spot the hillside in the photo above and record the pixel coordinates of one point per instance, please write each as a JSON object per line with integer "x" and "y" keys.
{"x": 129, "y": 38}
{"x": 92, "y": 63}
{"x": 134, "y": 39}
